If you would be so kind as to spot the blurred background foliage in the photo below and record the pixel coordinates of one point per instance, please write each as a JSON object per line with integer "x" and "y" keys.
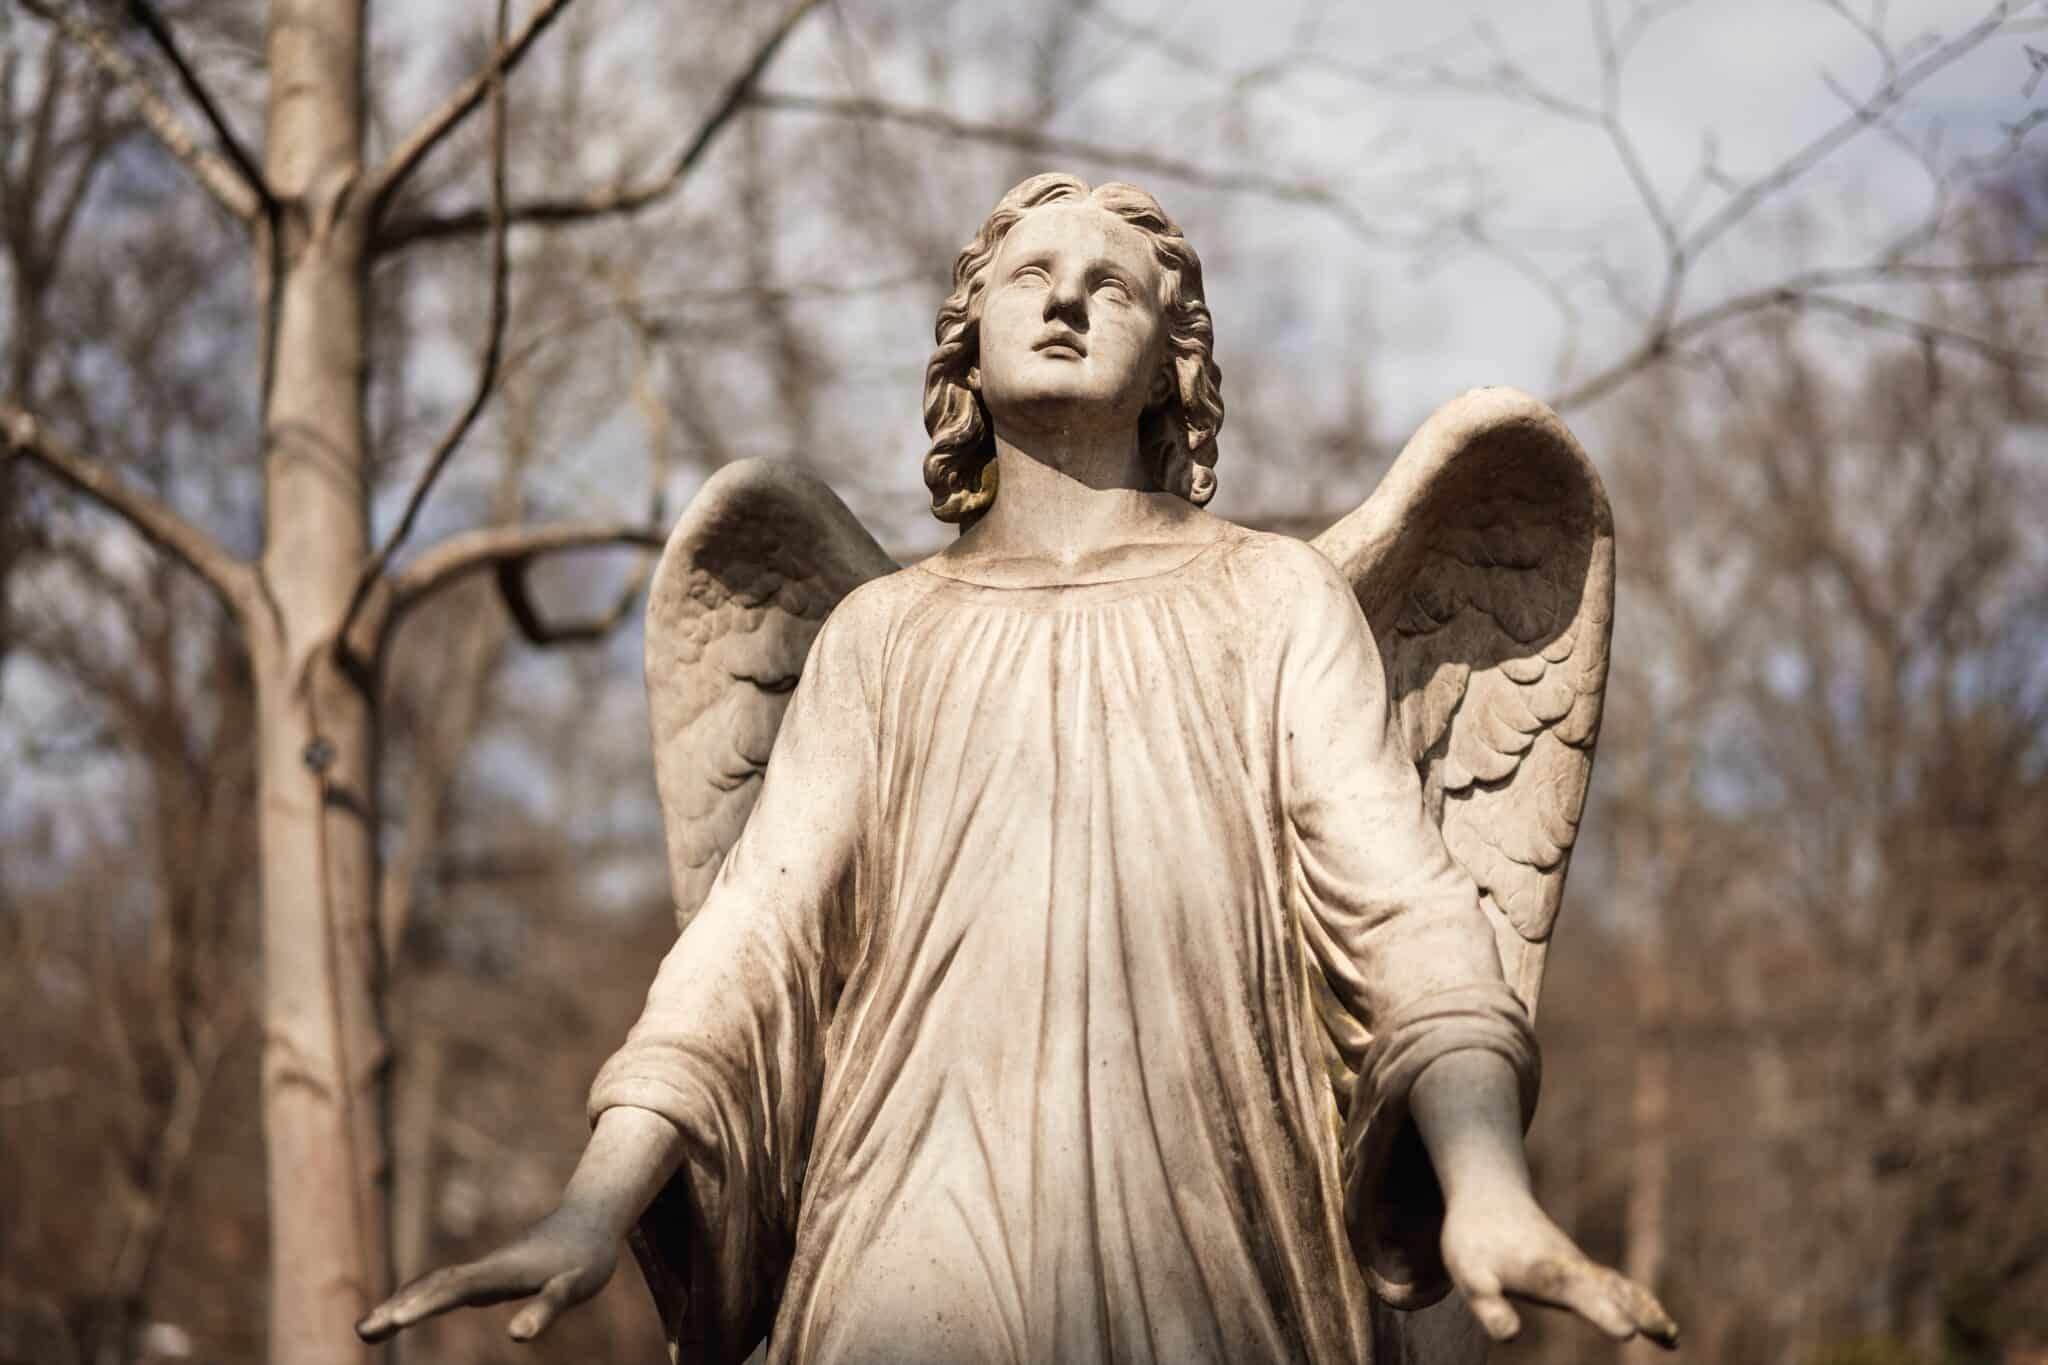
{"x": 1781, "y": 265}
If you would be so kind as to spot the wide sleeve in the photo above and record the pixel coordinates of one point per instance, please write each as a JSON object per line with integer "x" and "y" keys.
{"x": 1403, "y": 964}
{"x": 729, "y": 1045}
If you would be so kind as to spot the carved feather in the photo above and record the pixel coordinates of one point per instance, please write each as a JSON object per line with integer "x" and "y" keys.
{"x": 749, "y": 574}
{"x": 1485, "y": 563}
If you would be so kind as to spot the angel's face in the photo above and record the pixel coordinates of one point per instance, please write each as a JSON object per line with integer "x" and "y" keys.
{"x": 1073, "y": 331}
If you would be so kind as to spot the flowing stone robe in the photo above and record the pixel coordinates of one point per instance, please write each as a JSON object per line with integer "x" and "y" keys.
{"x": 1060, "y": 1000}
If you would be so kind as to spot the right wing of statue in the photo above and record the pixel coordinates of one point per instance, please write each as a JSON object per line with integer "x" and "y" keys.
{"x": 1485, "y": 564}
{"x": 749, "y": 574}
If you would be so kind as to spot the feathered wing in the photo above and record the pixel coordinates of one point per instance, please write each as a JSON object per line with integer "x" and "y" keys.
{"x": 1485, "y": 564}
{"x": 749, "y": 574}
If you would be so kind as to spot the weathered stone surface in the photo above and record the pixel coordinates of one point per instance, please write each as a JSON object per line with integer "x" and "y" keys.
{"x": 1115, "y": 936}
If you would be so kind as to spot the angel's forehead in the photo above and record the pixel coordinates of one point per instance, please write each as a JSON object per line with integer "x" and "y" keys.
{"x": 1081, "y": 231}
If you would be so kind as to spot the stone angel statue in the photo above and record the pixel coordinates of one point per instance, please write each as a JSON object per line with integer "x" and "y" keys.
{"x": 1115, "y": 936}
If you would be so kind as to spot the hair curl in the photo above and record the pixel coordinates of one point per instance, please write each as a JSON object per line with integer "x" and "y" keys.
{"x": 1177, "y": 436}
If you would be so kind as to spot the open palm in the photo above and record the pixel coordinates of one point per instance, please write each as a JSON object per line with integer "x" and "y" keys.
{"x": 558, "y": 1262}
{"x": 1498, "y": 1251}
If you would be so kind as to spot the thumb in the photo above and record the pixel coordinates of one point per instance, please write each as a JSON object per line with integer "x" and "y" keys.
{"x": 1497, "y": 1316}
{"x": 556, "y": 1295}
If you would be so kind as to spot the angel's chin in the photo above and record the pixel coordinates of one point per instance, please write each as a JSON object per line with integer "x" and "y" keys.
{"x": 1064, "y": 401}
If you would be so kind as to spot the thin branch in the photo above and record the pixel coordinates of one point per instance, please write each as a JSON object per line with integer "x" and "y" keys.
{"x": 1930, "y": 273}
{"x": 1872, "y": 32}
{"x": 471, "y": 659}
{"x": 1803, "y": 291}
{"x": 621, "y": 200}
{"x": 1612, "y": 54}
{"x": 506, "y": 54}
{"x": 1929, "y": 333}
{"x": 1745, "y": 200}
{"x": 167, "y": 43}
{"x": 518, "y": 599}
{"x": 487, "y": 367}
{"x": 1664, "y": 331}
{"x": 218, "y": 175}
{"x": 471, "y": 552}
{"x": 640, "y": 310}
{"x": 137, "y": 1258}
{"x": 23, "y": 434}
{"x": 1192, "y": 173}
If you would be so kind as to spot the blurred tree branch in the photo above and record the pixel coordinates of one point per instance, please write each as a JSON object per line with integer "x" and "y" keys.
{"x": 469, "y": 552}
{"x": 1664, "y": 328}
{"x": 494, "y": 327}
{"x": 167, "y": 43}
{"x": 1025, "y": 138}
{"x": 506, "y": 54}
{"x": 406, "y": 230}
{"x": 231, "y": 180}
{"x": 28, "y": 438}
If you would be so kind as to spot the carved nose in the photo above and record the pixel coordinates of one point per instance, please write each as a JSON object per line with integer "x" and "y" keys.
{"x": 1068, "y": 302}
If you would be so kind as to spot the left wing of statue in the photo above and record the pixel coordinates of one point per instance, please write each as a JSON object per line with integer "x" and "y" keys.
{"x": 1485, "y": 565}
{"x": 749, "y": 574}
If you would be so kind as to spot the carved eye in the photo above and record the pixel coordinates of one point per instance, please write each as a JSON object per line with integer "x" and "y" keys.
{"x": 1114, "y": 287}
{"x": 1030, "y": 274}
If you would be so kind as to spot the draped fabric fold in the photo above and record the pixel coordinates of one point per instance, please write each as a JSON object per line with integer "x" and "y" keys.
{"x": 1061, "y": 998}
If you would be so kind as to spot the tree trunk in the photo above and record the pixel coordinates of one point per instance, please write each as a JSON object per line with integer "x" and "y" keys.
{"x": 324, "y": 1050}
{"x": 1650, "y": 1130}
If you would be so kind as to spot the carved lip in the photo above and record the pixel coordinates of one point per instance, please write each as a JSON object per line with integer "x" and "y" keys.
{"x": 1063, "y": 340}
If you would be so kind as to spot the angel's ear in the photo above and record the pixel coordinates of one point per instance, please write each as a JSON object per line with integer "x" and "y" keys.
{"x": 974, "y": 379}
{"x": 1165, "y": 385}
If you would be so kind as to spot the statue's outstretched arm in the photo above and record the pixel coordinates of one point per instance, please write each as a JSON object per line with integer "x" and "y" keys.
{"x": 570, "y": 1254}
{"x": 1425, "y": 1020}
{"x": 1497, "y": 1242}
{"x": 700, "y": 1119}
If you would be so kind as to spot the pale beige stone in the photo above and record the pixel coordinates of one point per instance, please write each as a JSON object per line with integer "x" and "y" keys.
{"x": 1114, "y": 937}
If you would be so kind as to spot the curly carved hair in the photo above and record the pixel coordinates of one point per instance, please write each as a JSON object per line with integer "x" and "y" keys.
{"x": 1177, "y": 436}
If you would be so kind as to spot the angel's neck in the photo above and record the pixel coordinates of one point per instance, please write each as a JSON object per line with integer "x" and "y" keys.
{"x": 1068, "y": 501}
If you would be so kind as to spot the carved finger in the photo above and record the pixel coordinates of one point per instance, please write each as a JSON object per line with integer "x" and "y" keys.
{"x": 478, "y": 1282}
{"x": 432, "y": 1293}
{"x": 1590, "y": 1294}
{"x": 1643, "y": 1309}
{"x": 1482, "y": 1291}
{"x": 556, "y": 1295}
{"x": 1549, "y": 1279}
{"x": 1496, "y": 1315}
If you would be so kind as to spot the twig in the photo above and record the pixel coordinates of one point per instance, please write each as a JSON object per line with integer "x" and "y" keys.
{"x": 136, "y": 1259}
{"x": 1612, "y": 54}
{"x": 167, "y": 43}
{"x": 1030, "y": 140}
{"x": 471, "y": 552}
{"x": 518, "y": 599}
{"x": 221, "y": 177}
{"x": 505, "y": 55}
{"x": 487, "y": 367}
{"x": 617, "y": 201}
{"x": 1929, "y": 333}
{"x": 23, "y": 434}
{"x": 639, "y": 310}
{"x": 1745, "y": 200}
{"x": 1663, "y": 330}
{"x": 1803, "y": 291}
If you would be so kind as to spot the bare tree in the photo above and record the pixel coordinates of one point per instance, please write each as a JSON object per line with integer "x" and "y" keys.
{"x": 318, "y": 606}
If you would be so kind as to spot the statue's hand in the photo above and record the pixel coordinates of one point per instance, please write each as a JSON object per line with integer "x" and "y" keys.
{"x": 1507, "y": 1247}
{"x": 560, "y": 1261}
